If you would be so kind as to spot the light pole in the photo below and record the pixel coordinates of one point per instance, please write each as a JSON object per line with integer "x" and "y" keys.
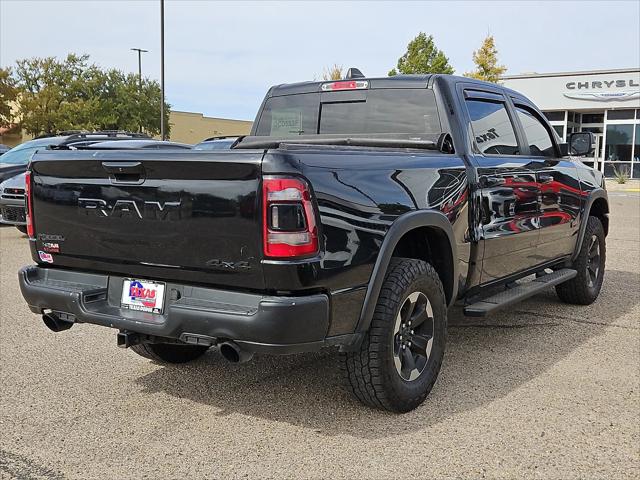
{"x": 162, "y": 127}
{"x": 140, "y": 52}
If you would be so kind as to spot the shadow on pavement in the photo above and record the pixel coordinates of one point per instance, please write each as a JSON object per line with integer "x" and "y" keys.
{"x": 485, "y": 361}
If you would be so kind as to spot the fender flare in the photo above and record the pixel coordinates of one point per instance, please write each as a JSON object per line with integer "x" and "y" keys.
{"x": 593, "y": 196}
{"x": 402, "y": 225}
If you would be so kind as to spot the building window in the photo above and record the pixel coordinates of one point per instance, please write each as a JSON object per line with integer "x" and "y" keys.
{"x": 554, "y": 116}
{"x": 593, "y": 118}
{"x": 619, "y": 143}
{"x": 636, "y": 147}
{"x": 559, "y": 130}
{"x": 610, "y": 169}
{"x": 620, "y": 114}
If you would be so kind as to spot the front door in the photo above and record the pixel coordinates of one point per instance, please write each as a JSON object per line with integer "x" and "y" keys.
{"x": 509, "y": 189}
{"x": 559, "y": 187}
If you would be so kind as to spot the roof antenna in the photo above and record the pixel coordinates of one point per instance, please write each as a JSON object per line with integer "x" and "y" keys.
{"x": 354, "y": 73}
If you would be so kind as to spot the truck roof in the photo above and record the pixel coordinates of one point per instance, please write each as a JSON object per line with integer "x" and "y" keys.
{"x": 396, "y": 81}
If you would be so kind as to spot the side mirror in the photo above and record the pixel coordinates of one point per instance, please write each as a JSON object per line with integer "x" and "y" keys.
{"x": 580, "y": 143}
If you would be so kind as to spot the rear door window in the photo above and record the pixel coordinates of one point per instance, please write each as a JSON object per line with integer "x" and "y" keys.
{"x": 492, "y": 128}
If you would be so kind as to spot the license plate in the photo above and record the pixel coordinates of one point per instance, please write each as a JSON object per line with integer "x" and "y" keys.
{"x": 142, "y": 295}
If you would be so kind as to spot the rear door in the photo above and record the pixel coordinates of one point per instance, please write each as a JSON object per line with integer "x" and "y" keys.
{"x": 190, "y": 216}
{"x": 509, "y": 190}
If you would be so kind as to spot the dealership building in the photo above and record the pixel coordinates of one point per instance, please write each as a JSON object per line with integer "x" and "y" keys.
{"x": 605, "y": 102}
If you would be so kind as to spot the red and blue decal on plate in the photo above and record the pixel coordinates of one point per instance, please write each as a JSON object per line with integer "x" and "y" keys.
{"x": 142, "y": 295}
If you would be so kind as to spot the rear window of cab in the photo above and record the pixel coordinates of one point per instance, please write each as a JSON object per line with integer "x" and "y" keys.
{"x": 382, "y": 111}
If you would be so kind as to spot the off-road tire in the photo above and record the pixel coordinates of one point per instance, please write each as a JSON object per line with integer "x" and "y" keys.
{"x": 578, "y": 290}
{"x": 370, "y": 373}
{"x": 169, "y": 352}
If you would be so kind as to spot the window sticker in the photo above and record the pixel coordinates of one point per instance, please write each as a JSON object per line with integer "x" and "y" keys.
{"x": 286, "y": 122}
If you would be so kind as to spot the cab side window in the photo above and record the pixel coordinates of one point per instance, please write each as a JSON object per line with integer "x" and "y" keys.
{"x": 493, "y": 131}
{"x": 538, "y": 137}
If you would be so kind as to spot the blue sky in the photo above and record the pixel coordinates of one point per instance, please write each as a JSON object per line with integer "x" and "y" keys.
{"x": 221, "y": 57}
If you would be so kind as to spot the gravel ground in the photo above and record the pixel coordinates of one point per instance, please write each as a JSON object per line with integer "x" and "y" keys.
{"x": 544, "y": 390}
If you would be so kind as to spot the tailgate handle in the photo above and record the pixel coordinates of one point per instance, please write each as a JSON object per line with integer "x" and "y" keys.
{"x": 124, "y": 172}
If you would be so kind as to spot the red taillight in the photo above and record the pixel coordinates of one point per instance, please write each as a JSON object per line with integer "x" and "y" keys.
{"x": 289, "y": 222}
{"x": 29, "y": 200}
{"x": 345, "y": 85}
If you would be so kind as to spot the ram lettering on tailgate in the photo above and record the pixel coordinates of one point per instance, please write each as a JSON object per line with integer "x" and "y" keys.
{"x": 130, "y": 208}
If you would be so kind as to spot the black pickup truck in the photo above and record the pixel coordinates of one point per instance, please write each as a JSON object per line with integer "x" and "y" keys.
{"x": 354, "y": 215}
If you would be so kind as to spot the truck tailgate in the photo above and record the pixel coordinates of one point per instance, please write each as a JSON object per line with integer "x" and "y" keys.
{"x": 190, "y": 216}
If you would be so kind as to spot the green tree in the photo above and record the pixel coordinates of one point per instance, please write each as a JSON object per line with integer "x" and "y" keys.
{"x": 422, "y": 56}
{"x": 123, "y": 105}
{"x": 52, "y": 93}
{"x": 8, "y": 95}
{"x": 486, "y": 60}
{"x": 69, "y": 94}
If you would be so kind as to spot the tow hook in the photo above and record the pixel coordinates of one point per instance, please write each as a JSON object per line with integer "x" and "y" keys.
{"x": 127, "y": 339}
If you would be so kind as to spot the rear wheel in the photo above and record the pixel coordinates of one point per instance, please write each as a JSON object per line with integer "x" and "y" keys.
{"x": 22, "y": 229}
{"x": 400, "y": 357}
{"x": 169, "y": 352}
{"x": 585, "y": 287}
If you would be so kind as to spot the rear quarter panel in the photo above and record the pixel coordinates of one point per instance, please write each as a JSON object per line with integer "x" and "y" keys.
{"x": 359, "y": 195}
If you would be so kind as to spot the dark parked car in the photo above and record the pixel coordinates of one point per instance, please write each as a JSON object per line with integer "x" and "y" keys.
{"x": 12, "y": 208}
{"x": 15, "y": 160}
{"x": 216, "y": 143}
{"x": 354, "y": 216}
{"x": 12, "y": 167}
{"x": 14, "y": 163}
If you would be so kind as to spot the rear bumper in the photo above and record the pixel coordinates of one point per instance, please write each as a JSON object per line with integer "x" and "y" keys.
{"x": 197, "y": 315}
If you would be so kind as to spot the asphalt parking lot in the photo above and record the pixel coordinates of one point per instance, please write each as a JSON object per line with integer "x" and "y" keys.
{"x": 544, "y": 390}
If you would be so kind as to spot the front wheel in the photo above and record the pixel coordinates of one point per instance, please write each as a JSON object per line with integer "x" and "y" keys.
{"x": 400, "y": 357}
{"x": 585, "y": 287}
{"x": 169, "y": 352}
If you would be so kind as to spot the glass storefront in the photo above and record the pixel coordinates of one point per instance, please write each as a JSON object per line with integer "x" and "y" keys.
{"x": 619, "y": 143}
{"x": 622, "y": 136}
{"x": 617, "y": 134}
{"x": 603, "y": 102}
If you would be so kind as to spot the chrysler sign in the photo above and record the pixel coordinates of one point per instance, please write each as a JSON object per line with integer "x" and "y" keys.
{"x": 603, "y": 90}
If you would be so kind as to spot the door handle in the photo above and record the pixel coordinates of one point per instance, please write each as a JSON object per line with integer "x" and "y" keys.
{"x": 545, "y": 178}
{"x": 491, "y": 181}
{"x": 125, "y": 172}
{"x": 123, "y": 167}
